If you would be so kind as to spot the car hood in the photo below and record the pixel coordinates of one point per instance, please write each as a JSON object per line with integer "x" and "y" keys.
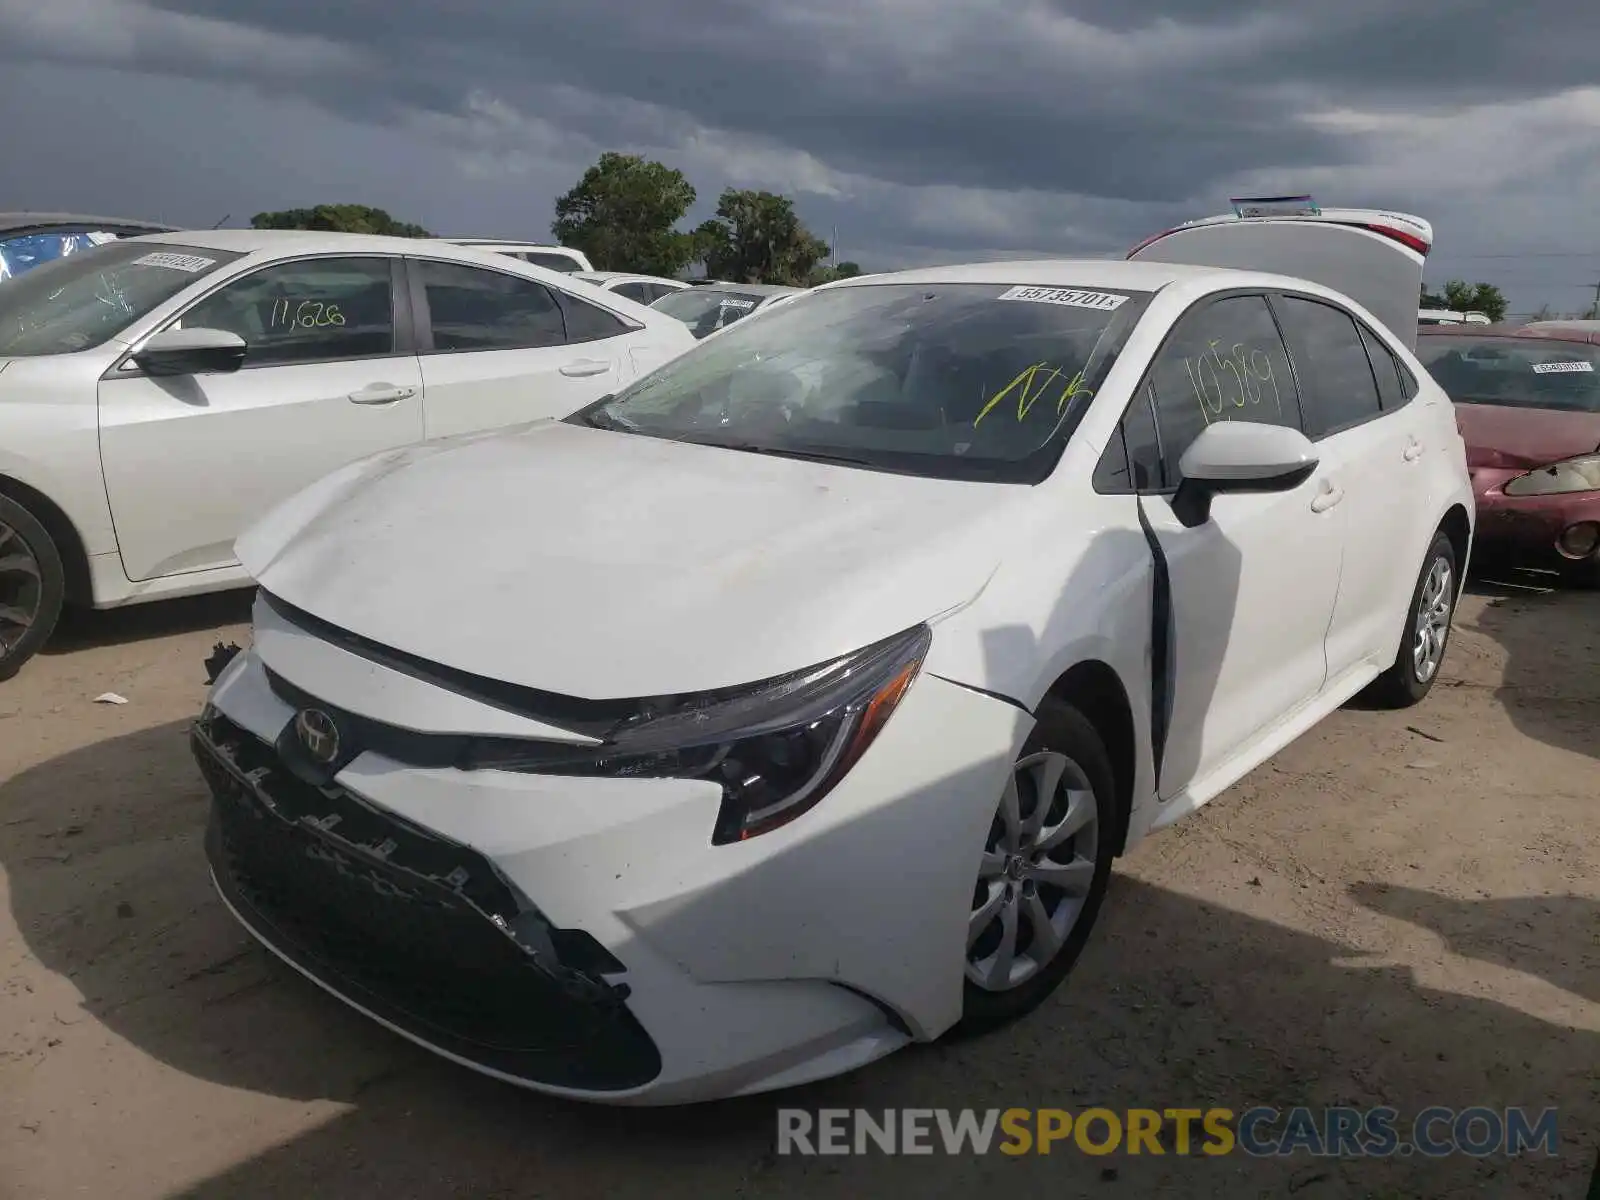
{"x": 608, "y": 565}
{"x": 1523, "y": 438}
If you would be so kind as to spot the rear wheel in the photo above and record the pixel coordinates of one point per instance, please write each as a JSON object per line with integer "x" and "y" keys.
{"x": 1044, "y": 871}
{"x": 32, "y": 586}
{"x": 1427, "y": 630}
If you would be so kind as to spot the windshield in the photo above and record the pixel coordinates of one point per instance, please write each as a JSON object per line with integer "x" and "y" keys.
{"x": 1514, "y": 372}
{"x": 26, "y": 251}
{"x": 81, "y": 301}
{"x": 706, "y": 310}
{"x": 964, "y": 380}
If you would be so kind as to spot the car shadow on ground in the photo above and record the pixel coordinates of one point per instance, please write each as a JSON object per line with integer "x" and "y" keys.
{"x": 1551, "y": 637}
{"x": 1176, "y": 1003}
{"x": 81, "y": 628}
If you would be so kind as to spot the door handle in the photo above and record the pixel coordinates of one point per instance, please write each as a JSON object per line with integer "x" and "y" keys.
{"x": 1413, "y": 450}
{"x": 585, "y": 367}
{"x": 380, "y": 393}
{"x": 1329, "y": 495}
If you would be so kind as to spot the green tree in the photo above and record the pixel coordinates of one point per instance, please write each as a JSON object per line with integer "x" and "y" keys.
{"x": 1461, "y": 296}
{"x": 622, "y": 214}
{"x": 820, "y": 275}
{"x": 339, "y": 218}
{"x": 756, "y": 237}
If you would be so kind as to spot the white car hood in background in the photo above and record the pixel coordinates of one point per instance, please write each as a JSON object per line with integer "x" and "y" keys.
{"x": 609, "y": 565}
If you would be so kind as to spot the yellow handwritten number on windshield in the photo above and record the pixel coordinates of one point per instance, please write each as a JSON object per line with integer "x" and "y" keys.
{"x": 1030, "y": 386}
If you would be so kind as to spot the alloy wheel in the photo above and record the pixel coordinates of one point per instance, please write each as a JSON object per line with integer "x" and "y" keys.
{"x": 1432, "y": 625}
{"x": 1037, "y": 870}
{"x": 21, "y": 589}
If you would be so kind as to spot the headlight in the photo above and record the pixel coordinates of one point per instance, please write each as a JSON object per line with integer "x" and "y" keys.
{"x": 776, "y": 747}
{"x": 1573, "y": 475}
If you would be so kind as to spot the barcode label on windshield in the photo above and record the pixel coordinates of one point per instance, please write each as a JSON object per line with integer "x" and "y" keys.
{"x": 176, "y": 262}
{"x": 1561, "y": 368}
{"x": 1071, "y": 297}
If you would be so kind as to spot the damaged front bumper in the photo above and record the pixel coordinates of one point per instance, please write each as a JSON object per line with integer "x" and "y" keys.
{"x": 421, "y": 933}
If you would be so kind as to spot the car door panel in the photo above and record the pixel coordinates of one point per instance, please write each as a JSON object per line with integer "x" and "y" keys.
{"x": 1252, "y": 594}
{"x": 191, "y": 461}
{"x": 497, "y": 350}
{"x": 1252, "y": 589}
{"x": 1366, "y": 449}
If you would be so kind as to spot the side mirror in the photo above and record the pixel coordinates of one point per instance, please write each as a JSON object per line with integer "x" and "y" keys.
{"x": 1240, "y": 456}
{"x": 191, "y": 352}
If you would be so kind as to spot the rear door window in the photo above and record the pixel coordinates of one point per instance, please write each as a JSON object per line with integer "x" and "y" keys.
{"x": 1386, "y": 369}
{"x": 1331, "y": 364}
{"x": 470, "y": 308}
{"x": 635, "y": 291}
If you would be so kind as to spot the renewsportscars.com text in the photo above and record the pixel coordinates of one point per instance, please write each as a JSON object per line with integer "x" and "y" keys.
{"x": 1260, "y": 1132}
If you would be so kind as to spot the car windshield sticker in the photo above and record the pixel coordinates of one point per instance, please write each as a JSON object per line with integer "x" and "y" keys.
{"x": 1561, "y": 368}
{"x": 176, "y": 262}
{"x": 736, "y": 303}
{"x": 1071, "y": 297}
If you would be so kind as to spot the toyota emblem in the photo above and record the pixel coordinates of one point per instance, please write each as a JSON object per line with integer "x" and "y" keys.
{"x": 318, "y": 734}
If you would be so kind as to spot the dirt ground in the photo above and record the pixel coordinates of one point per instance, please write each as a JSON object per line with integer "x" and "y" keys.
{"x": 1399, "y": 909}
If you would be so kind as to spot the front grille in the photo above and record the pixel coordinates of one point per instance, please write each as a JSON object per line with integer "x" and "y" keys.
{"x": 420, "y": 931}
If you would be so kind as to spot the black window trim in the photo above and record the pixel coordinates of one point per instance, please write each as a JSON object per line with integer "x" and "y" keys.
{"x": 1284, "y": 294}
{"x": 1145, "y": 388}
{"x": 422, "y": 317}
{"x": 399, "y": 313}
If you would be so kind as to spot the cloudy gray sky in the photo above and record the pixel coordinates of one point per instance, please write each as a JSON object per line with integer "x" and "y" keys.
{"x": 925, "y": 130}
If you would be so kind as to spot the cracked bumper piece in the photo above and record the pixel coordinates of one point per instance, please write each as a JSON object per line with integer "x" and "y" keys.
{"x": 584, "y": 937}
{"x": 417, "y": 932}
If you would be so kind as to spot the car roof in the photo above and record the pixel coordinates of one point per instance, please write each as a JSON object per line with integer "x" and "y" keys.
{"x": 302, "y": 241}
{"x": 506, "y": 242}
{"x": 1545, "y": 331}
{"x": 11, "y": 221}
{"x": 608, "y": 276}
{"x": 1139, "y": 276}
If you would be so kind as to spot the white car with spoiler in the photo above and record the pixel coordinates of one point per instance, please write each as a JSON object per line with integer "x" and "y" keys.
{"x": 794, "y": 703}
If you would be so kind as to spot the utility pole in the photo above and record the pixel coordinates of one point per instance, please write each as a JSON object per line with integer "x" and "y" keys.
{"x": 833, "y": 254}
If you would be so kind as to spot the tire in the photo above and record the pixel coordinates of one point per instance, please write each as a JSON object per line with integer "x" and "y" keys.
{"x": 1062, "y": 731}
{"x": 32, "y": 586}
{"x": 1404, "y": 684}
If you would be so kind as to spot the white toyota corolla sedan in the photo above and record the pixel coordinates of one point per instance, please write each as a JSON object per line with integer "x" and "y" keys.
{"x": 159, "y": 394}
{"x": 792, "y": 705}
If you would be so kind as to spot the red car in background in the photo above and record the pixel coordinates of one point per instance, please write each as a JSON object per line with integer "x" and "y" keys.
{"x": 1528, "y": 405}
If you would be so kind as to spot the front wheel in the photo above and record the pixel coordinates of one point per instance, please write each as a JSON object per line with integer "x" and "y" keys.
{"x": 1044, "y": 870}
{"x": 1427, "y": 630}
{"x": 32, "y": 586}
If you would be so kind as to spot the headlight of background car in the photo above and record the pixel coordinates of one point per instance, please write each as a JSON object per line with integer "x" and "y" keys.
{"x": 776, "y": 747}
{"x": 1573, "y": 475}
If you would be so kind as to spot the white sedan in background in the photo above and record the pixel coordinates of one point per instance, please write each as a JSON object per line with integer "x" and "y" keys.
{"x": 646, "y": 289}
{"x": 858, "y": 643}
{"x": 158, "y": 394}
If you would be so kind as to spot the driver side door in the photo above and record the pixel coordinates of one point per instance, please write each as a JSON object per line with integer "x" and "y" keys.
{"x": 1251, "y": 591}
{"x": 329, "y": 376}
